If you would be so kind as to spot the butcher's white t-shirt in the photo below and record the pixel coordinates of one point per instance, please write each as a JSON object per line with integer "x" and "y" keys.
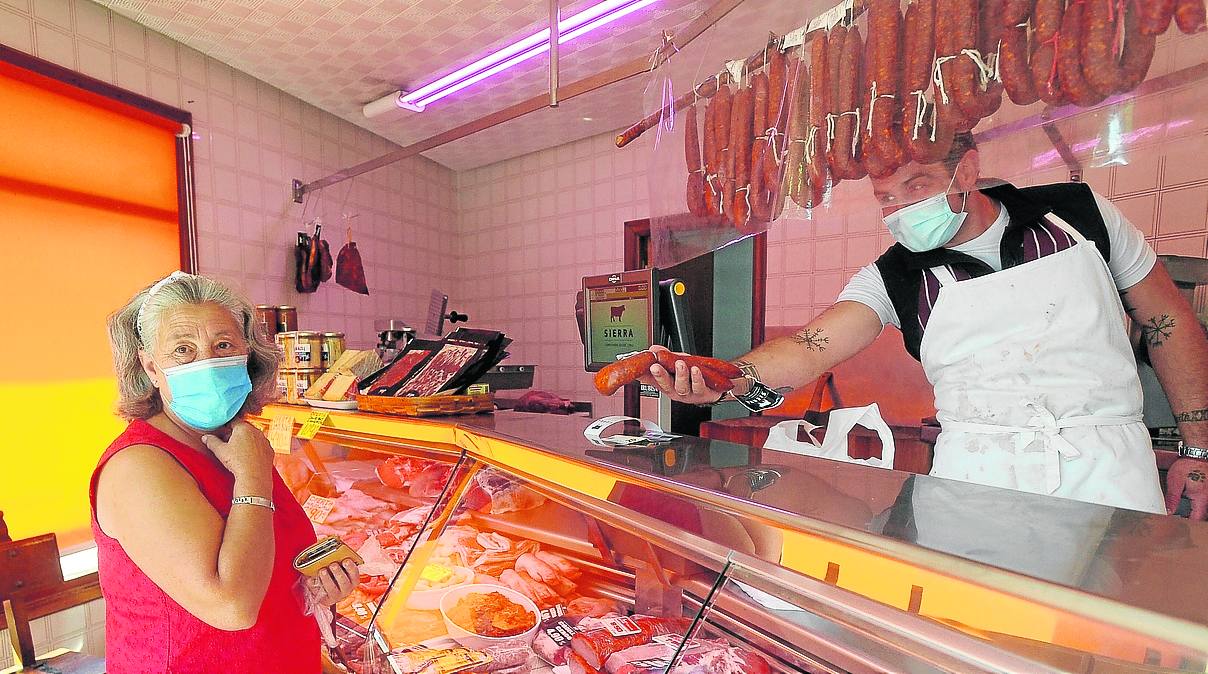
{"x": 1131, "y": 260}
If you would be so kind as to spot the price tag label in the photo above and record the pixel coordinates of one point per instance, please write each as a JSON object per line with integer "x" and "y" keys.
{"x": 312, "y": 425}
{"x": 281, "y": 432}
{"x": 831, "y": 17}
{"x": 478, "y": 389}
{"x": 317, "y": 508}
{"x": 793, "y": 39}
{"x": 622, "y": 627}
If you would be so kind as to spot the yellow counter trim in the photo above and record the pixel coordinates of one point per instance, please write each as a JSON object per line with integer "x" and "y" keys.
{"x": 555, "y": 469}
{"x": 420, "y": 431}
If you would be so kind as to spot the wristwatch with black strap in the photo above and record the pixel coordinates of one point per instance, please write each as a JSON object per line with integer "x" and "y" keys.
{"x": 753, "y": 394}
{"x": 1191, "y": 452}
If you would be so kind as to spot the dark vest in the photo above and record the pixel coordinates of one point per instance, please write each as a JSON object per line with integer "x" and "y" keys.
{"x": 905, "y": 272}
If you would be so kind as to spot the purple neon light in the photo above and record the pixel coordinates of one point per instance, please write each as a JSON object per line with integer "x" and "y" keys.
{"x": 522, "y": 50}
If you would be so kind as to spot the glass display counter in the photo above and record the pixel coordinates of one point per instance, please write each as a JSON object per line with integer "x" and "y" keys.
{"x": 514, "y": 536}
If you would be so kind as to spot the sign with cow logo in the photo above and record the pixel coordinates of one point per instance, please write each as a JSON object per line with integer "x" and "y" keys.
{"x": 618, "y": 319}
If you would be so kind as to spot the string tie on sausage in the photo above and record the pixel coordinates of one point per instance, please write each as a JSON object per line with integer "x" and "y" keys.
{"x": 832, "y": 119}
{"x": 771, "y": 135}
{"x": 937, "y": 75}
{"x": 920, "y": 114}
{"x": 746, "y": 197}
{"x": 873, "y": 97}
{"x": 985, "y": 72}
{"x": 811, "y": 143}
{"x": 855, "y": 136}
{"x": 710, "y": 179}
{"x": 998, "y": 62}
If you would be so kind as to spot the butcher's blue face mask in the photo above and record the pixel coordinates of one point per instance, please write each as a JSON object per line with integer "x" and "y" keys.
{"x": 928, "y": 224}
{"x": 208, "y": 393}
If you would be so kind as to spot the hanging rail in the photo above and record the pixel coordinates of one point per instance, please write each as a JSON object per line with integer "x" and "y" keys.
{"x": 585, "y": 85}
{"x": 709, "y": 86}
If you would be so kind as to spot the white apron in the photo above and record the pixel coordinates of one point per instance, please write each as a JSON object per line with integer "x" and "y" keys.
{"x": 1036, "y": 385}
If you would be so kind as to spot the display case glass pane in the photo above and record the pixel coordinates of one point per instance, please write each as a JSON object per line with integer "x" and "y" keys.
{"x": 376, "y": 499}
{"x": 524, "y": 575}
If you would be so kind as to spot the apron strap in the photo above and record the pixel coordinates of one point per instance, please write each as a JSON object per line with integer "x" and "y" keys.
{"x": 1065, "y": 227}
{"x": 943, "y": 274}
{"x": 1043, "y": 426}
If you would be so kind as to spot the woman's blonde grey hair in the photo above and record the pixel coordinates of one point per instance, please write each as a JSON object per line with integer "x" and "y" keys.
{"x": 133, "y": 328}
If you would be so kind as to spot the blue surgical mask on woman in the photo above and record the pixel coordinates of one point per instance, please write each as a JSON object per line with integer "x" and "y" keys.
{"x": 208, "y": 393}
{"x": 928, "y": 224}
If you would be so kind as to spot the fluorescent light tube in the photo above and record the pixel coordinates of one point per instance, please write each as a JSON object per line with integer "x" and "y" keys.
{"x": 522, "y": 50}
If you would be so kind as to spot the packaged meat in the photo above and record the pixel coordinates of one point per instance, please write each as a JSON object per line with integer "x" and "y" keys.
{"x": 558, "y": 627}
{"x": 440, "y": 372}
{"x": 656, "y": 656}
{"x": 578, "y": 665}
{"x": 385, "y": 380}
{"x": 541, "y": 594}
{"x": 699, "y": 657}
{"x": 356, "y": 505}
{"x": 459, "y": 545}
{"x": 378, "y": 563}
{"x": 464, "y": 356}
{"x": 544, "y": 402}
{"x": 399, "y": 471}
{"x": 617, "y": 634}
{"x": 591, "y": 607}
{"x": 497, "y": 493}
{"x": 431, "y": 481}
{"x": 536, "y": 568}
{"x": 731, "y": 660}
{"x": 449, "y": 660}
{"x": 350, "y": 273}
{"x": 495, "y": 560}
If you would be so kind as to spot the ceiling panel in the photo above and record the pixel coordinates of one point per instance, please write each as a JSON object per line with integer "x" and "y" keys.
{"x": 340, "y": 54}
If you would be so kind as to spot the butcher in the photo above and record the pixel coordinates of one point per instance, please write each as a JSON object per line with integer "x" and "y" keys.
{"x": 1014, "y": 300}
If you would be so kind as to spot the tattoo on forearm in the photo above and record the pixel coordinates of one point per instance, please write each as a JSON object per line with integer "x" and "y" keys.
{"x": 1196, "y": 475}
{"x": 1192, "y": 416}
{"x": 1157, "y": 330}
{"x": 812, "y": 339}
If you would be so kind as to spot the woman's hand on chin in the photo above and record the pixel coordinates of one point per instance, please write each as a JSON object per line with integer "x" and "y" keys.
{"x": 246, "y": 453}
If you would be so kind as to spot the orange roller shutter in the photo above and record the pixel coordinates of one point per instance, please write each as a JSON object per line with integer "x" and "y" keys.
{"x": 88, "y": 215}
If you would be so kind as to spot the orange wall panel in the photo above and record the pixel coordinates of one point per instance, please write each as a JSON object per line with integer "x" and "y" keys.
{"x": 88, "y": 215}
{"x": 53, "y": 138}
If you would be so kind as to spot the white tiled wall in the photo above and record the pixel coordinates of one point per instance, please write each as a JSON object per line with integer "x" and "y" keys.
{"x": 80, "y": 628}
{"x": 251, "y": 139}
{"x": 529, "y": 229}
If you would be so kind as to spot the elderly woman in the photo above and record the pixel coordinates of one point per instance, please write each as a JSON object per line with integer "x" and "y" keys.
{"x": 195, "y": 531}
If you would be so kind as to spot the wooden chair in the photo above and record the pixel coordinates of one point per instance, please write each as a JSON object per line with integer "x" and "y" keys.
{"x": 29, "y": 574}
